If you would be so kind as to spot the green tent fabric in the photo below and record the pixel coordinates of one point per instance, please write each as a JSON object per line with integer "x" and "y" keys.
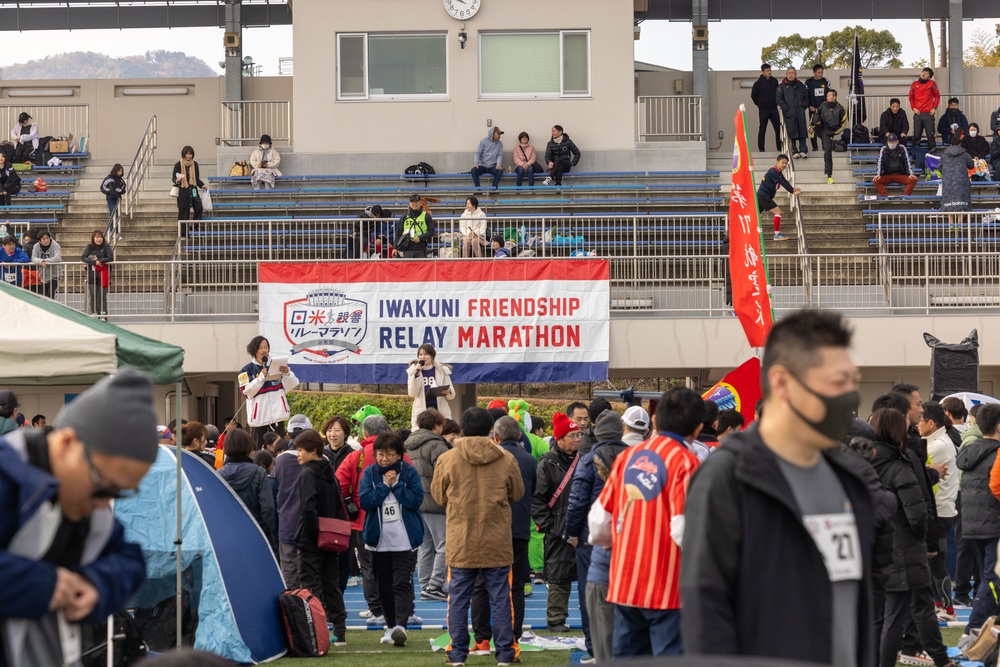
{"x": 48, "y": 343}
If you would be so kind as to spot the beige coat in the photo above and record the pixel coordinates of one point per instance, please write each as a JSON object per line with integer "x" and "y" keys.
{"x": 255, "y": 158}
{"x": 415, "y": 388}
{"x": 476, "y": 482}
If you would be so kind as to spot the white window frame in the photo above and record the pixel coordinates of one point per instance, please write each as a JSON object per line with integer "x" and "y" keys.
{"x": 561, "y": 94}
{"x": 367, "y": 96}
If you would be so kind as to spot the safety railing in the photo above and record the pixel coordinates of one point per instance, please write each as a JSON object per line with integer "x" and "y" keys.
{"x": 796, "y": 209}
{"x": 935, "y": 232}
{"x": 668, "y": 118}
{"x": 532, "y": 235}
{"x": 54, "y": 120}
{"x": 977, "y": 107}
{"x": 665, "y": 286}
{"x": 243, "y": 123}
{"x": 136, "y": 182}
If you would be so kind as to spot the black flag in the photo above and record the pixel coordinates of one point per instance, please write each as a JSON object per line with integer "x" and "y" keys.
{"x": 857, "y": 97}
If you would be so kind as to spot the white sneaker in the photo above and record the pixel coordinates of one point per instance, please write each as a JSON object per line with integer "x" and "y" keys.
{"x": 548, "y": 181}
{"x": 376, "y": 621}
{"x": 921, "y": 659}
{"x": 414, "y": 620}
{"x": 365, "y": 614}
{"x": 397, "y": 635}
{"x": 387, "y": 637}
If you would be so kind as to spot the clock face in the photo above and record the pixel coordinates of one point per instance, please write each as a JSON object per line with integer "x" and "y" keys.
{"x": 462, "y": 9}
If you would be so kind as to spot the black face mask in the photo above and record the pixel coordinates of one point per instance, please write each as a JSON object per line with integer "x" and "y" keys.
{"x": 840, "y": 411}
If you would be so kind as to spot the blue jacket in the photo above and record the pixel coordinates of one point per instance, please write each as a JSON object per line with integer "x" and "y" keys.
{"x": 12, "y": 274}
{"x": 489, "y": 153}
{"x": 520, "y": 512}
{"x": 584, "y": 490}
{"x": 28, "y": 583}
{"x": 600, "y": 566}
{"x": 409, "y": 491}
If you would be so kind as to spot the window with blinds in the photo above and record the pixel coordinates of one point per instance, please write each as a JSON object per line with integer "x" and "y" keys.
{"x": 534, "y": 64}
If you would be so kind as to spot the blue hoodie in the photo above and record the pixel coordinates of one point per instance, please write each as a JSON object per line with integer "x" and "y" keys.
{"x": 490, "y": 153}
{"x": 12, "y": 274}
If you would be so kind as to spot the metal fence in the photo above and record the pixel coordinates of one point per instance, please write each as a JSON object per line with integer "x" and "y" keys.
{"x": 244, "y": 122}
{"x": 668, "y": 118}
{"x": 977, "y": 107}
{"x": 935, "y": 232}
{"x": 54, "y": 120}
{"x": 676, "y": 286}
{"x": 620, "y": 236}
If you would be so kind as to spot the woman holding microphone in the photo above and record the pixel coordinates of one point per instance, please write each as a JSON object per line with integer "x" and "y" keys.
{"x": 267, "y": 404}
{"x": 428, "y": 384}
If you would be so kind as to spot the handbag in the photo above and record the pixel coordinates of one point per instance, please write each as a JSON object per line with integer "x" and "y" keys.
{"x": 175, "y": 191}
{"x": 334, "y": 534}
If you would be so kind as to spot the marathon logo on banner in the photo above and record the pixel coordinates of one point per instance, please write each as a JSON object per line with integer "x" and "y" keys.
{"x": 511, "y": 321}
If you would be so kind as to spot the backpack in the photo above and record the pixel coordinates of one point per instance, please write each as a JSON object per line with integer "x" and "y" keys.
{"x": 305, "y": 623}
{"x": 240, "y": 168}
{"x": 421, "y": 169}
{"x": 860, "y": 135}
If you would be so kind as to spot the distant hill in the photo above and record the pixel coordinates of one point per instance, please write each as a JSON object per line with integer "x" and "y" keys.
{"x": 90, "y": 65}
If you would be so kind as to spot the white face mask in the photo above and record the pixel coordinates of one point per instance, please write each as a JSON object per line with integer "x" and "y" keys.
{"x": 265, "y": 147}
{"x": 973, "y": 133}
{"x": 892, "y": 147}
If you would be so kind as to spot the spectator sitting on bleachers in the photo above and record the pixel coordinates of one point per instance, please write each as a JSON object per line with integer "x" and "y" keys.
{"x": 10, "y": 181}
{"x": 894, "y": 167}
{"x": 525, "y": 160}
{"x": 953, "y": 121}
{"x": 489, "y": 158}
{"x": 416, "y": 229}
{"x": 975, "y": 143}
{"x": 47, "y": 256}
{"x": 767, "y": 190}
{"x": 8, "y": 255}
{"x": 893, "y": 121}
{"x": 25, "y": 137}
{"x": 956, "y": 189}
{"x": 499, "y": 244}
{"x": 362, "y": 240}
{"x": 994, "y": 156}
{"x": 561, "y": 154}
{"x": 264, "y": 161}
{"x": 995, "y": 122}
{"x": 472, "y": 226}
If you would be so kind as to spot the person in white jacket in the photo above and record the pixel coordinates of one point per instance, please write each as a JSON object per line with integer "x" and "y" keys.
{"x": 472, "y": 226}
{"x": 25, "y": 137}
{"x": 943, "y": 454}
{"x": 264, "y": 160}
{"x": 267, "y": 402}
{"x": 423, "y": 374}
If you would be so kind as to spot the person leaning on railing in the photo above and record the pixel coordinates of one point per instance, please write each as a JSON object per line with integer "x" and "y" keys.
{"x": 97, "y": 255}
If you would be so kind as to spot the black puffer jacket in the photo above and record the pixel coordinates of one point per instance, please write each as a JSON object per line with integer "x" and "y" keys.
{"x": 424, "y": 448}
{"x": 250, "y": 483}
{"x": 764, "y": 92}
{"x": 793, "y": 98}
{"x": 980, "y": 510}
{"x": 337, "y": 456}
{"x": 910, "y": 569}
{"x": 564, "y": 150}
{"x": 560, "y": 557}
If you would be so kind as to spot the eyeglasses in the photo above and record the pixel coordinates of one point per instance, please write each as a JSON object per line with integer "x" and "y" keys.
{"x": 101, "y": 490}
{"x": 574, "y": 434}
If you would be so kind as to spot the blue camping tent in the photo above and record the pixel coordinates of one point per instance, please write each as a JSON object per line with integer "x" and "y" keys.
{"x": 231, "y": 579}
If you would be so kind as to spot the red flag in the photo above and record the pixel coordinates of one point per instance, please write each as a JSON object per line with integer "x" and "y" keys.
{"x": 739, "y": 390}
{"x": 747, "y": 263}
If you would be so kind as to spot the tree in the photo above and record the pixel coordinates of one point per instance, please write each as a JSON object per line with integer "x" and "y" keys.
{"x": 879, "y": 49}
{"x": 984, "y": 49}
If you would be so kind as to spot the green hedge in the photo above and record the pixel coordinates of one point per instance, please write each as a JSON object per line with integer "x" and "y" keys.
{"x": 321, "y": 405}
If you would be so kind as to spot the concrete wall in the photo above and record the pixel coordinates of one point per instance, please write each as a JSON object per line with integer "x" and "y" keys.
{"x": 370, "y": 135}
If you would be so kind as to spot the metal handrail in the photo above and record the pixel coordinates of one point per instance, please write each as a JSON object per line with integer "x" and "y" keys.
{"x": 796, "y": 209}
{"x": 659, "y": 117}
{"x": 244, "y": 121}
{"x": 136, "y": 180}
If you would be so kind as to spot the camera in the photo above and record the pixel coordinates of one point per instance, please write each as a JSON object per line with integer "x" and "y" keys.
{"x": 352, "y": 508}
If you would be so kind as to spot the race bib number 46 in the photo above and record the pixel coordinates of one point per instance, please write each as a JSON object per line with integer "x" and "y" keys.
{"x": 836, "y": 537}
{"x": 390, "y": 511}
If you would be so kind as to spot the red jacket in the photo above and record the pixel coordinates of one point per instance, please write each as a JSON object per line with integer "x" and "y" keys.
{"x": 349, "y": 474}
{"x": 924, "y": 96}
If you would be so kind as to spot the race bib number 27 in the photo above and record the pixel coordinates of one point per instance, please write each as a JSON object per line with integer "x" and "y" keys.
{"x": 836, "y": 537}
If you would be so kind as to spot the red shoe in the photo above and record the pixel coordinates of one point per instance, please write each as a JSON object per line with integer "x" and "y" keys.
{"x": 482, "y": 648}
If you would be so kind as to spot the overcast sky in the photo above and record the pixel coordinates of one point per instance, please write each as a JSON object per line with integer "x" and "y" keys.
{"x": 662, "y": 43}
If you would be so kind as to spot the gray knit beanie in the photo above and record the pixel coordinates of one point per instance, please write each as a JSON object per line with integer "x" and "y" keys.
{"x": 608, "y": 426}
{"x": 115, "y": 417}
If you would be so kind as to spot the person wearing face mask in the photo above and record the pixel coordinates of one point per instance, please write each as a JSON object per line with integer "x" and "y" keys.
{"x": 264, "y": 161}
{"x": 894, "y": 167}
{"x": 784, "y": 481}
{"x": 975, "y": 143}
